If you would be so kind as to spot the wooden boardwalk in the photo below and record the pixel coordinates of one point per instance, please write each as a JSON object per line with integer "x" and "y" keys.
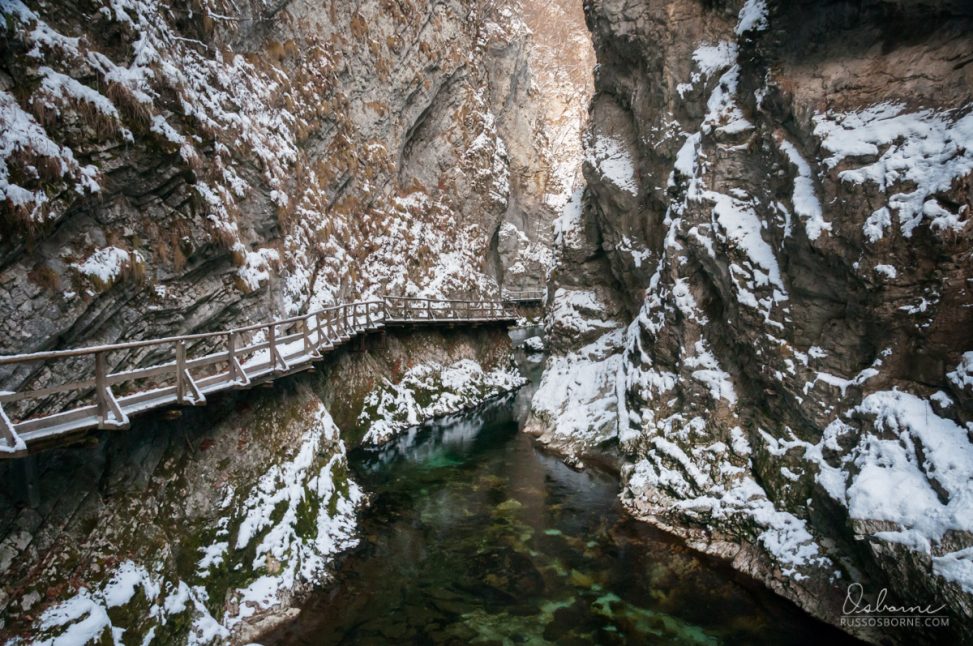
{"x": 234, "y": 359}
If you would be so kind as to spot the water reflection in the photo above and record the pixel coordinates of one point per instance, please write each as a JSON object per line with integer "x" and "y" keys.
{"x": 451, "y": 438}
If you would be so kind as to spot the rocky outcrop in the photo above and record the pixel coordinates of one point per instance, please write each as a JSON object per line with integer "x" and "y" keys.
{"x": 210, "y": 528}
{"x": 763, "y": 296}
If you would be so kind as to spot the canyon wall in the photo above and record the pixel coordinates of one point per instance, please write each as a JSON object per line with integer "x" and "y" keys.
{"x": 171, "y": 168}
{"x": 762, "y": 301}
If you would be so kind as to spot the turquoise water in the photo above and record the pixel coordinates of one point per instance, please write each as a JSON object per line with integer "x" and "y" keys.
{"x": 475, "y": 536}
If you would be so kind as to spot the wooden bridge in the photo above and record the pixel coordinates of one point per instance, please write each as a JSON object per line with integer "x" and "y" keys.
{"x": 234, "y": 359}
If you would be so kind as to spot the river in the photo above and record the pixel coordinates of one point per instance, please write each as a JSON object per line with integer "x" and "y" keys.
{"x": 475, "y": 535}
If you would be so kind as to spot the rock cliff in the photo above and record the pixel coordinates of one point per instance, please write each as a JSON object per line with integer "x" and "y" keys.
{"x": 762, "y": 300}
{"x": 178, "y": 167}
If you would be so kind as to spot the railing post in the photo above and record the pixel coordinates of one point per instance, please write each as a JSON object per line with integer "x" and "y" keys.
{"x": 101, "y": 385}
{"x": 322, "y": 338}
{"x": 180, "y": 371}
{"x": 236, "y": 371}
{"x": 106, "y": 402}
{"x": 272, "y": 339}
{"x": 231, "y": 354}
{"x": 429, "y": 309}
{"x": 306, "y": 329}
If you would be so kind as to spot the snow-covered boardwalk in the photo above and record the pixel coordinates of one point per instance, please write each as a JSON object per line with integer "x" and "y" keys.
{"x": 188, "y": 368}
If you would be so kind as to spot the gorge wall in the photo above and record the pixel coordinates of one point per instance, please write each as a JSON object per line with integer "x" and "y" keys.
{"x": 762, "y": 300}
{"x": 177, "y": 167}
{"x": 170, "y": 168}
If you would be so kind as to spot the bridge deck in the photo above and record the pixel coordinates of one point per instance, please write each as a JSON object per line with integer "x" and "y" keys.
{"x": 242, "y": 357}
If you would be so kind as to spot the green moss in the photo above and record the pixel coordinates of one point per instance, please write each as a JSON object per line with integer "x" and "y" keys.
{"x": 176, "y": 628}
{"x": 277, "y": 514}
{"x": 425, "y": 396}
{"x": 133, "y": 617}
{"x": 187, "y": 552}
{"x": 307, "y": 516}
{"x": 339, "y": 475}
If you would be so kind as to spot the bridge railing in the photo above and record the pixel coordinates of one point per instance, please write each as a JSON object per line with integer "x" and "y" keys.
{"x": 187, "y": 367}
{"x": 521, "y": 295}
{"x": 429, "y": 309}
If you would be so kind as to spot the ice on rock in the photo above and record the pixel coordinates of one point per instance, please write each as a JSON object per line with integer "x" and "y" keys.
{"x": 578, "y": 391}
{"x": 431, "y": 390}
{"x": 614, "y": 163}
{"x": 752, "y": 17}
{"x": 106, "y": 265}
{"x": 962, "y": 376}
{"x": 910, "y": 156}
{"x": 916, "y": 473}
{"x": 268, "y": 525}
{"x": 805, "y": 199}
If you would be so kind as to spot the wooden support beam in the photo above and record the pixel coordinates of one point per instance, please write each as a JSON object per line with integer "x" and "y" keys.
{"x": 181, "y": 372}
{"x": 110, "y": 414}
{"x": 237, "y": 374}
{"x": 310, "y": 349}
{"x": 323, "y": 338}
{"x": 195, "y": 396}
{"x": 11, "y": 442}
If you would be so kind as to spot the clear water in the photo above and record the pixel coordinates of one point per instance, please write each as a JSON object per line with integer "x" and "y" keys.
{"x": 475, "y": 536}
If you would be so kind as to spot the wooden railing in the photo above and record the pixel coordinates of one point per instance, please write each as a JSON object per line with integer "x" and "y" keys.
{"x": 524, "y": 295}
{"x": 233, "y": 359}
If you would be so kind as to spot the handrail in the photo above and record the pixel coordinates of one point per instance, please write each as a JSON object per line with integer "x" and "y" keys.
{"x": 131, "y": 345}
{"x": 438, "y": 300}
{"x": 280, "y": 352}
{"x": 524, "y": 294}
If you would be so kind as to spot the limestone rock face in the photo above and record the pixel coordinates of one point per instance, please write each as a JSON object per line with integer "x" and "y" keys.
{"x": 176, "y": 169}
{"x": 763, "y": 296}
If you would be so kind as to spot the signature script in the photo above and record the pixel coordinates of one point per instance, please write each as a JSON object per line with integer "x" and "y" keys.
{"x": 855, "y": 604}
